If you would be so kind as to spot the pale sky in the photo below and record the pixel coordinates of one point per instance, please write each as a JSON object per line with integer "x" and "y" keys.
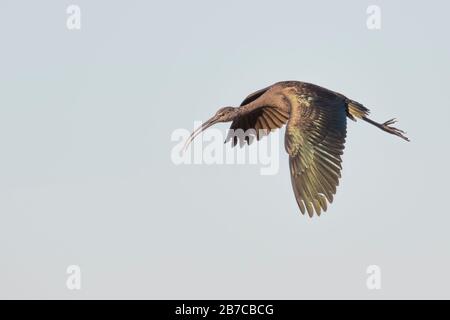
{"x": 86, "y": 176}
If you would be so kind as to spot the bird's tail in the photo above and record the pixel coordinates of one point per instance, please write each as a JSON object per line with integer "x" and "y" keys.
{"x": 356, "y": 110}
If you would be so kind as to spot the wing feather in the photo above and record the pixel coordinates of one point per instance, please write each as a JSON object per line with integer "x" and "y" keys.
{"x": 263, "y": 121}
{"x": 315, "y": 139}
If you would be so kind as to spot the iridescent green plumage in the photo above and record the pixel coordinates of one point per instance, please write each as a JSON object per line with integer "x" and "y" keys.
{"x": 315, "y": 141}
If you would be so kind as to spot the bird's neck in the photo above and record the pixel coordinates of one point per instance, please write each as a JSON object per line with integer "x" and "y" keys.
{"x": 250, "y": 107}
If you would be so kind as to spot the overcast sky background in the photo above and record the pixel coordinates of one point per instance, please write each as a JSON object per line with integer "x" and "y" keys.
{"x": 86, "y": 176}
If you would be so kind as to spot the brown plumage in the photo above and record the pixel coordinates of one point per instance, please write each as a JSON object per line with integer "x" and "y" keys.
{"x": 316, "y": 127}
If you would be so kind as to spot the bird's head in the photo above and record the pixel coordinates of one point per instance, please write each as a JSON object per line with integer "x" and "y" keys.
{"x": 224, "y": 114}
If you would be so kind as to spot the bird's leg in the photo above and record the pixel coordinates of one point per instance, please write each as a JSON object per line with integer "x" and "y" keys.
{"x": 386, "y": 126}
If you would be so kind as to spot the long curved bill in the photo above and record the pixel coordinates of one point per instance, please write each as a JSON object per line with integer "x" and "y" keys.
{"x": 197, "y": 131}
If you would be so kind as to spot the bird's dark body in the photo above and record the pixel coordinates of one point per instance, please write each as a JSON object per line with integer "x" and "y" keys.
{"x": 308, "y": 90}
{"x": 316, "y": 128}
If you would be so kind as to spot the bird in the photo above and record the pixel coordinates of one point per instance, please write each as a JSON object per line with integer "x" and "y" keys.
{"x": 315, "y": 134}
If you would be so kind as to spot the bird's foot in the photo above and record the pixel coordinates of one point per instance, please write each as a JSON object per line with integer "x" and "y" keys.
{"x": 392, "y": 130}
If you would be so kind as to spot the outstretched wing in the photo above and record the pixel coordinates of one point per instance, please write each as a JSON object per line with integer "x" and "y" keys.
{"x": 314, "y": 139}
{"x": 258, "y": 123}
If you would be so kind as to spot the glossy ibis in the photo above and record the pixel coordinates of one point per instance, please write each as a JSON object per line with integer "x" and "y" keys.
{"x": 316, "y": 127}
